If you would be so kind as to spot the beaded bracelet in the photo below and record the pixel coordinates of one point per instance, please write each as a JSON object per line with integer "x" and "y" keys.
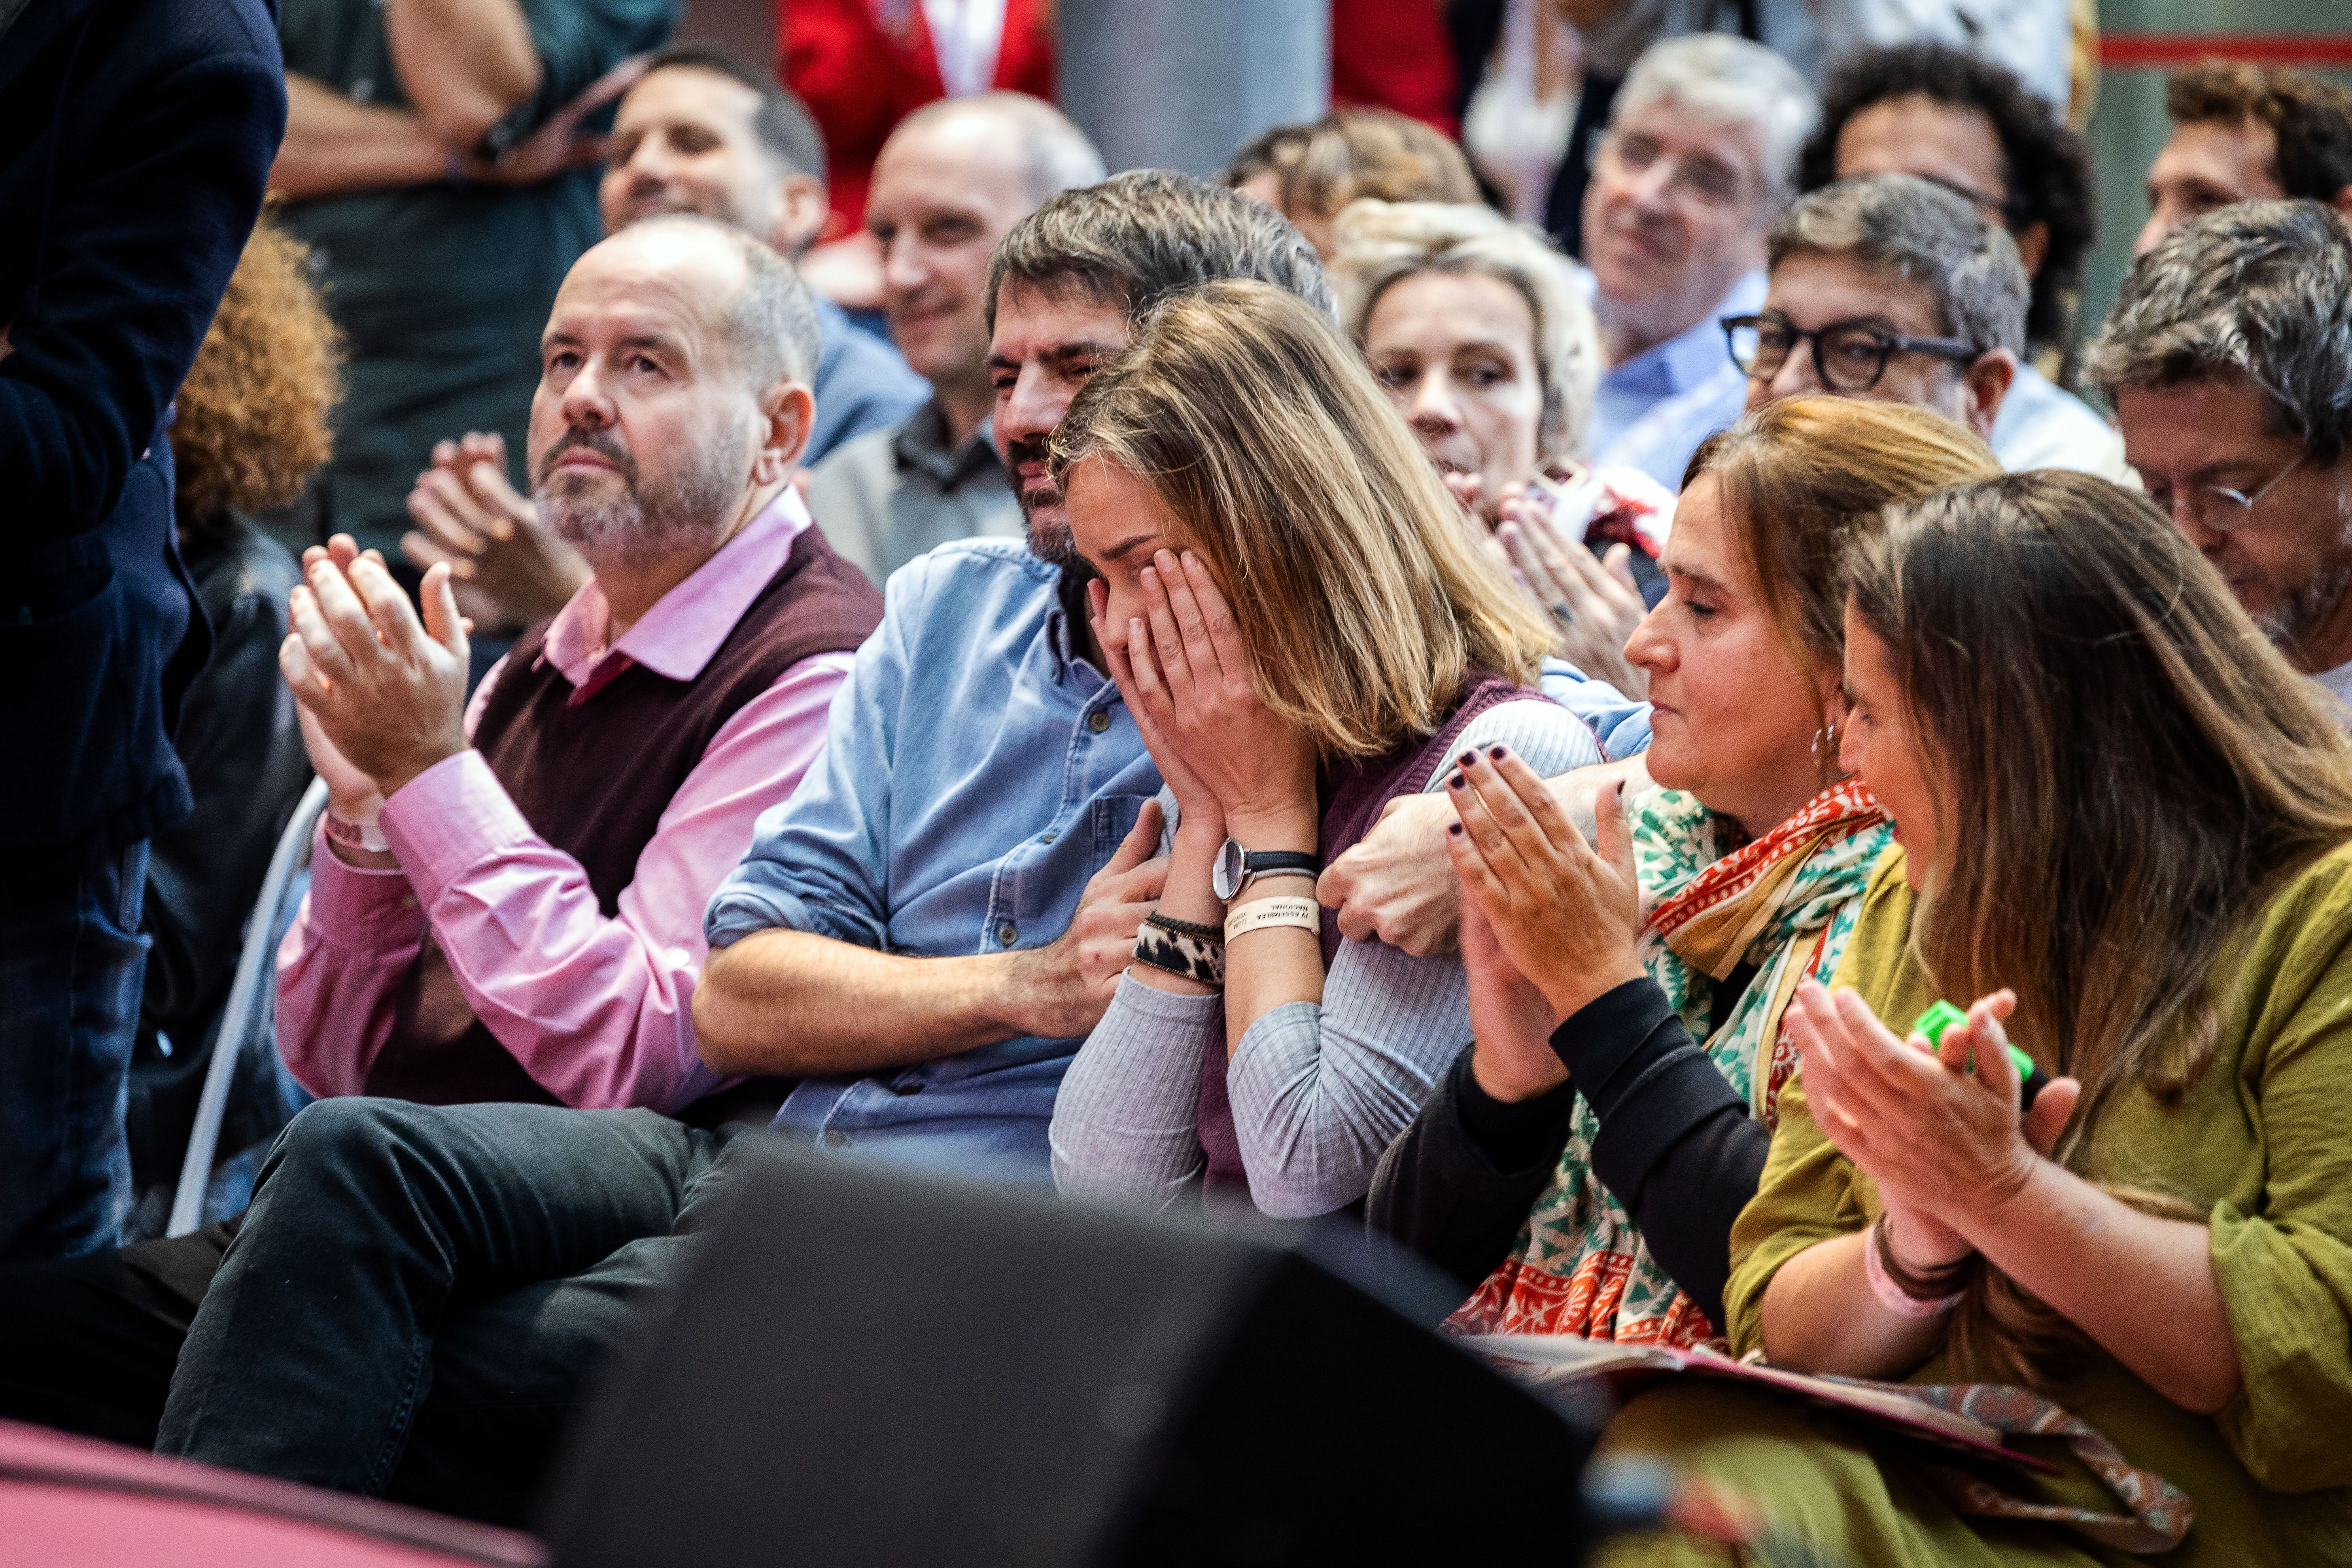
{"x": 1183, "y": 948}
{"x": 1899, "y": 1289}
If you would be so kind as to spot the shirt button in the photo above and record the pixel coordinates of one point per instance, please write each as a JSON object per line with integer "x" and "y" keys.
{"x": 907, "y": 1086}
{"x": 1098, "y": 720}
{"x": 1007, "y": 934}
{"x": 1048, "y": 838}
{"x": 834, "y": 1138}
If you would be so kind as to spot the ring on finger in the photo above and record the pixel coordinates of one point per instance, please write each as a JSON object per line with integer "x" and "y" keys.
{"x": 1563, "y": 612}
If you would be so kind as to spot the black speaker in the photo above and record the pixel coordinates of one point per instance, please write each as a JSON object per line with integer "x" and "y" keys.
{"x": 871, "y": 1366}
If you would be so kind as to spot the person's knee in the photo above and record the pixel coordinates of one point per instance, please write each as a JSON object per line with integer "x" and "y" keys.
{"x": 347, "y": 1147}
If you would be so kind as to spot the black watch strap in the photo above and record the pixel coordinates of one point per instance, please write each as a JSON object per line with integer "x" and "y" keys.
{"x": 1259, "y": 862}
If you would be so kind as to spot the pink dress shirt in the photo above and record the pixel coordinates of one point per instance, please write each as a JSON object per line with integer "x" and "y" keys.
{"x": 599, "y": 1011}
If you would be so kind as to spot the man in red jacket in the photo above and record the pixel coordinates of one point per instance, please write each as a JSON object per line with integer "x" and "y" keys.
{"x": 862, "y": 65}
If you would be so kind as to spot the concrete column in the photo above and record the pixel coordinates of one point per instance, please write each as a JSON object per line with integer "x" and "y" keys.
{"x": 1179, "y": 84}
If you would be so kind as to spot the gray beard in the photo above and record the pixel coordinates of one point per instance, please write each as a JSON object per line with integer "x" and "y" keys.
{"x": 649, "y": 522}
{"x": 2292, "y": 622}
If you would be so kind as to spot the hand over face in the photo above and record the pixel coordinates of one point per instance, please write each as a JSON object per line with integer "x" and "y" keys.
{"x": 1064, "y": 988}
{"x": 507, "y": 570}
{"x": 1946, "y": 1146}
{"x": 387, "y": 692}
{"x": 1190, "y": 677}
{"x": 1565, "y": 915}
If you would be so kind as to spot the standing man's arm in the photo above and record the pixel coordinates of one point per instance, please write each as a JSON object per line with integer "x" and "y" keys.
{"x": 333, "y": 145}
{"x": 466, "y": 65}
{"x": 164, "y": 192}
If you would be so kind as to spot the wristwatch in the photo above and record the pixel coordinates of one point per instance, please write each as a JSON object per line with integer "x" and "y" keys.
{"x": 1237, "y": 868}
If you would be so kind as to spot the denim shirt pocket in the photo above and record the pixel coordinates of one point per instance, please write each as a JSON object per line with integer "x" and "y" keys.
{"x": 1111, "y": 818}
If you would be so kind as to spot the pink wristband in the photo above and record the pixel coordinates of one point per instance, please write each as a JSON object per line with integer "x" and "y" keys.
{"x": 1890, "y": 1296}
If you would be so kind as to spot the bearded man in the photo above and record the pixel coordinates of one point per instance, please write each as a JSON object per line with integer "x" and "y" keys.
{"x": 508, "y": 902}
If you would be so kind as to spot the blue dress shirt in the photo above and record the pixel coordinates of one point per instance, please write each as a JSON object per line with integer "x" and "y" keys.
{"x": 1652, "y": 410}
{"x": 977, "y": 771}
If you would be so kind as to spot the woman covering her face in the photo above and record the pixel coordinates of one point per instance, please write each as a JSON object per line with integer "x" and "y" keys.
{"x": 1585, "y": 1160}
{"x": 1481, "y": 334}
{"x": 1304, "y": 631}
{"x": 2123, "y": 822}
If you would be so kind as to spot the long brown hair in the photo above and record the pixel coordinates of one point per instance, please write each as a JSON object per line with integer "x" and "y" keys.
{"x": 1805, "y": 479}
{"x": 1361, "y": 596}
{"x": 2128, "y": 770}
{"x": 254, "y": 411}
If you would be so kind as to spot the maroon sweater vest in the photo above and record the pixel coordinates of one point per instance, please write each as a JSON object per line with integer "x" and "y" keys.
{"x": 593, "y": 778}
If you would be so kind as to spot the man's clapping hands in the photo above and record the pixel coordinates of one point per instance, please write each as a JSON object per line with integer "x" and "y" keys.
{"x": 382, "y": 694}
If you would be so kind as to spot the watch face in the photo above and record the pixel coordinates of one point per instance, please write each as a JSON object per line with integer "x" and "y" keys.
{"x": 1233, "y": 863}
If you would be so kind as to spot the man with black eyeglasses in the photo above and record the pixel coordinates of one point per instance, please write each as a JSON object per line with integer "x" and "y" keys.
{"x": 2228, "y": 360}
{"x": 1892, "y": 287}
{"x": 1971, "y": 127}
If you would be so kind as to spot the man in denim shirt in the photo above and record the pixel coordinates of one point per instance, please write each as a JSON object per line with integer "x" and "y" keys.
{"x": 980, "y": 768}
{"x": 925, "y": 934}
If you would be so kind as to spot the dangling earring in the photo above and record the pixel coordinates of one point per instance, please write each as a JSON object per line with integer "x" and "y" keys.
{"x": 1826, "y": 736}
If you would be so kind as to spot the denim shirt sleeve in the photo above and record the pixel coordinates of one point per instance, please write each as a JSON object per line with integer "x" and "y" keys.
{"x": 1620, "y": 724}
{"x": 819, "y": 861}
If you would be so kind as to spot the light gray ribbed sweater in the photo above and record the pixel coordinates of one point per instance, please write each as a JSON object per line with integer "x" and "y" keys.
{"x": 1317, "y": 1092}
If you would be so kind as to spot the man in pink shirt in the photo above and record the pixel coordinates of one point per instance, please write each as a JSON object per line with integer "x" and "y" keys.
{"x": 508, "y": 902}
{"x": 511, "y": 909}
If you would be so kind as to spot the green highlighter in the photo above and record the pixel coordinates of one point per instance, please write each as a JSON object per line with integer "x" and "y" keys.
{"x": 2030, "y": 1080}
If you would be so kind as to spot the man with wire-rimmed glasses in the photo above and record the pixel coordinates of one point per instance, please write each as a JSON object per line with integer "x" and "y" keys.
{"x": 2228, "y": 359}
{"x": 1886, "y": 287}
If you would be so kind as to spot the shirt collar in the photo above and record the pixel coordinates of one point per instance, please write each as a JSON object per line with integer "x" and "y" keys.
{"x": 1695, "y": 352}
{"x": 685, "y": 626}
{"x": 923, "y": 442}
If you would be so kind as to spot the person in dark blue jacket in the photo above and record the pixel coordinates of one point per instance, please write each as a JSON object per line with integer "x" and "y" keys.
{"x": 135, "y": 140}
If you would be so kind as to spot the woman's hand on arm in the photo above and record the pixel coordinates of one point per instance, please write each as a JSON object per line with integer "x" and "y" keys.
{"x": 1398, "y": 884}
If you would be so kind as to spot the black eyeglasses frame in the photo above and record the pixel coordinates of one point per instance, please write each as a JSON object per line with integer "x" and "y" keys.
{"x": 1959, "y": 351}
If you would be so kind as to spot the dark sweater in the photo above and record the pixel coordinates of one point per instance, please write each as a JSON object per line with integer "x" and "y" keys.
{"x": 135, "y": 139}
{"x": 1676, "y": 1146}
{"x": 593, "y": 776}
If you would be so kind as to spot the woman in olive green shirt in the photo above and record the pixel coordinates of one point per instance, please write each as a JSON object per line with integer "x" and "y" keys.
{"x": 2123, "y": 825}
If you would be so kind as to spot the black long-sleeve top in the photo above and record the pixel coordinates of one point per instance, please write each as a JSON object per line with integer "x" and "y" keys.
{"x": 1676, "y": 1146}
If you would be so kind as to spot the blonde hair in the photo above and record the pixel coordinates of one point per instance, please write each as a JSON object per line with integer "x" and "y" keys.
{"x": 1353, "y": 152}
{"x": 1380, "y": 244}
{"x": 1805, "y": 480}
{"x": 1362, "y": 599}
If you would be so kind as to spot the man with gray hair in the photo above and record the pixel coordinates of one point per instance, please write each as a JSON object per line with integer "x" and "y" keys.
{"x": 1887, "y": 287}
{"x": 2228, "y": 361}
{"x": 952, "y": 181}
{"x": 704, "y": 647}
{"x": 1699, "y": 156}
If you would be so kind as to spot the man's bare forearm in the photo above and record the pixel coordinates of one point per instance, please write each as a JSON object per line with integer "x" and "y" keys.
{"x": 788, "y": 1002}
{"x": 333, "y": 145}
{"x": 465, "y": 64}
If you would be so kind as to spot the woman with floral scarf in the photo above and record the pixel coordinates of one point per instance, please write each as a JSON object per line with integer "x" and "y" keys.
{"x": 1583, "y": 1161}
